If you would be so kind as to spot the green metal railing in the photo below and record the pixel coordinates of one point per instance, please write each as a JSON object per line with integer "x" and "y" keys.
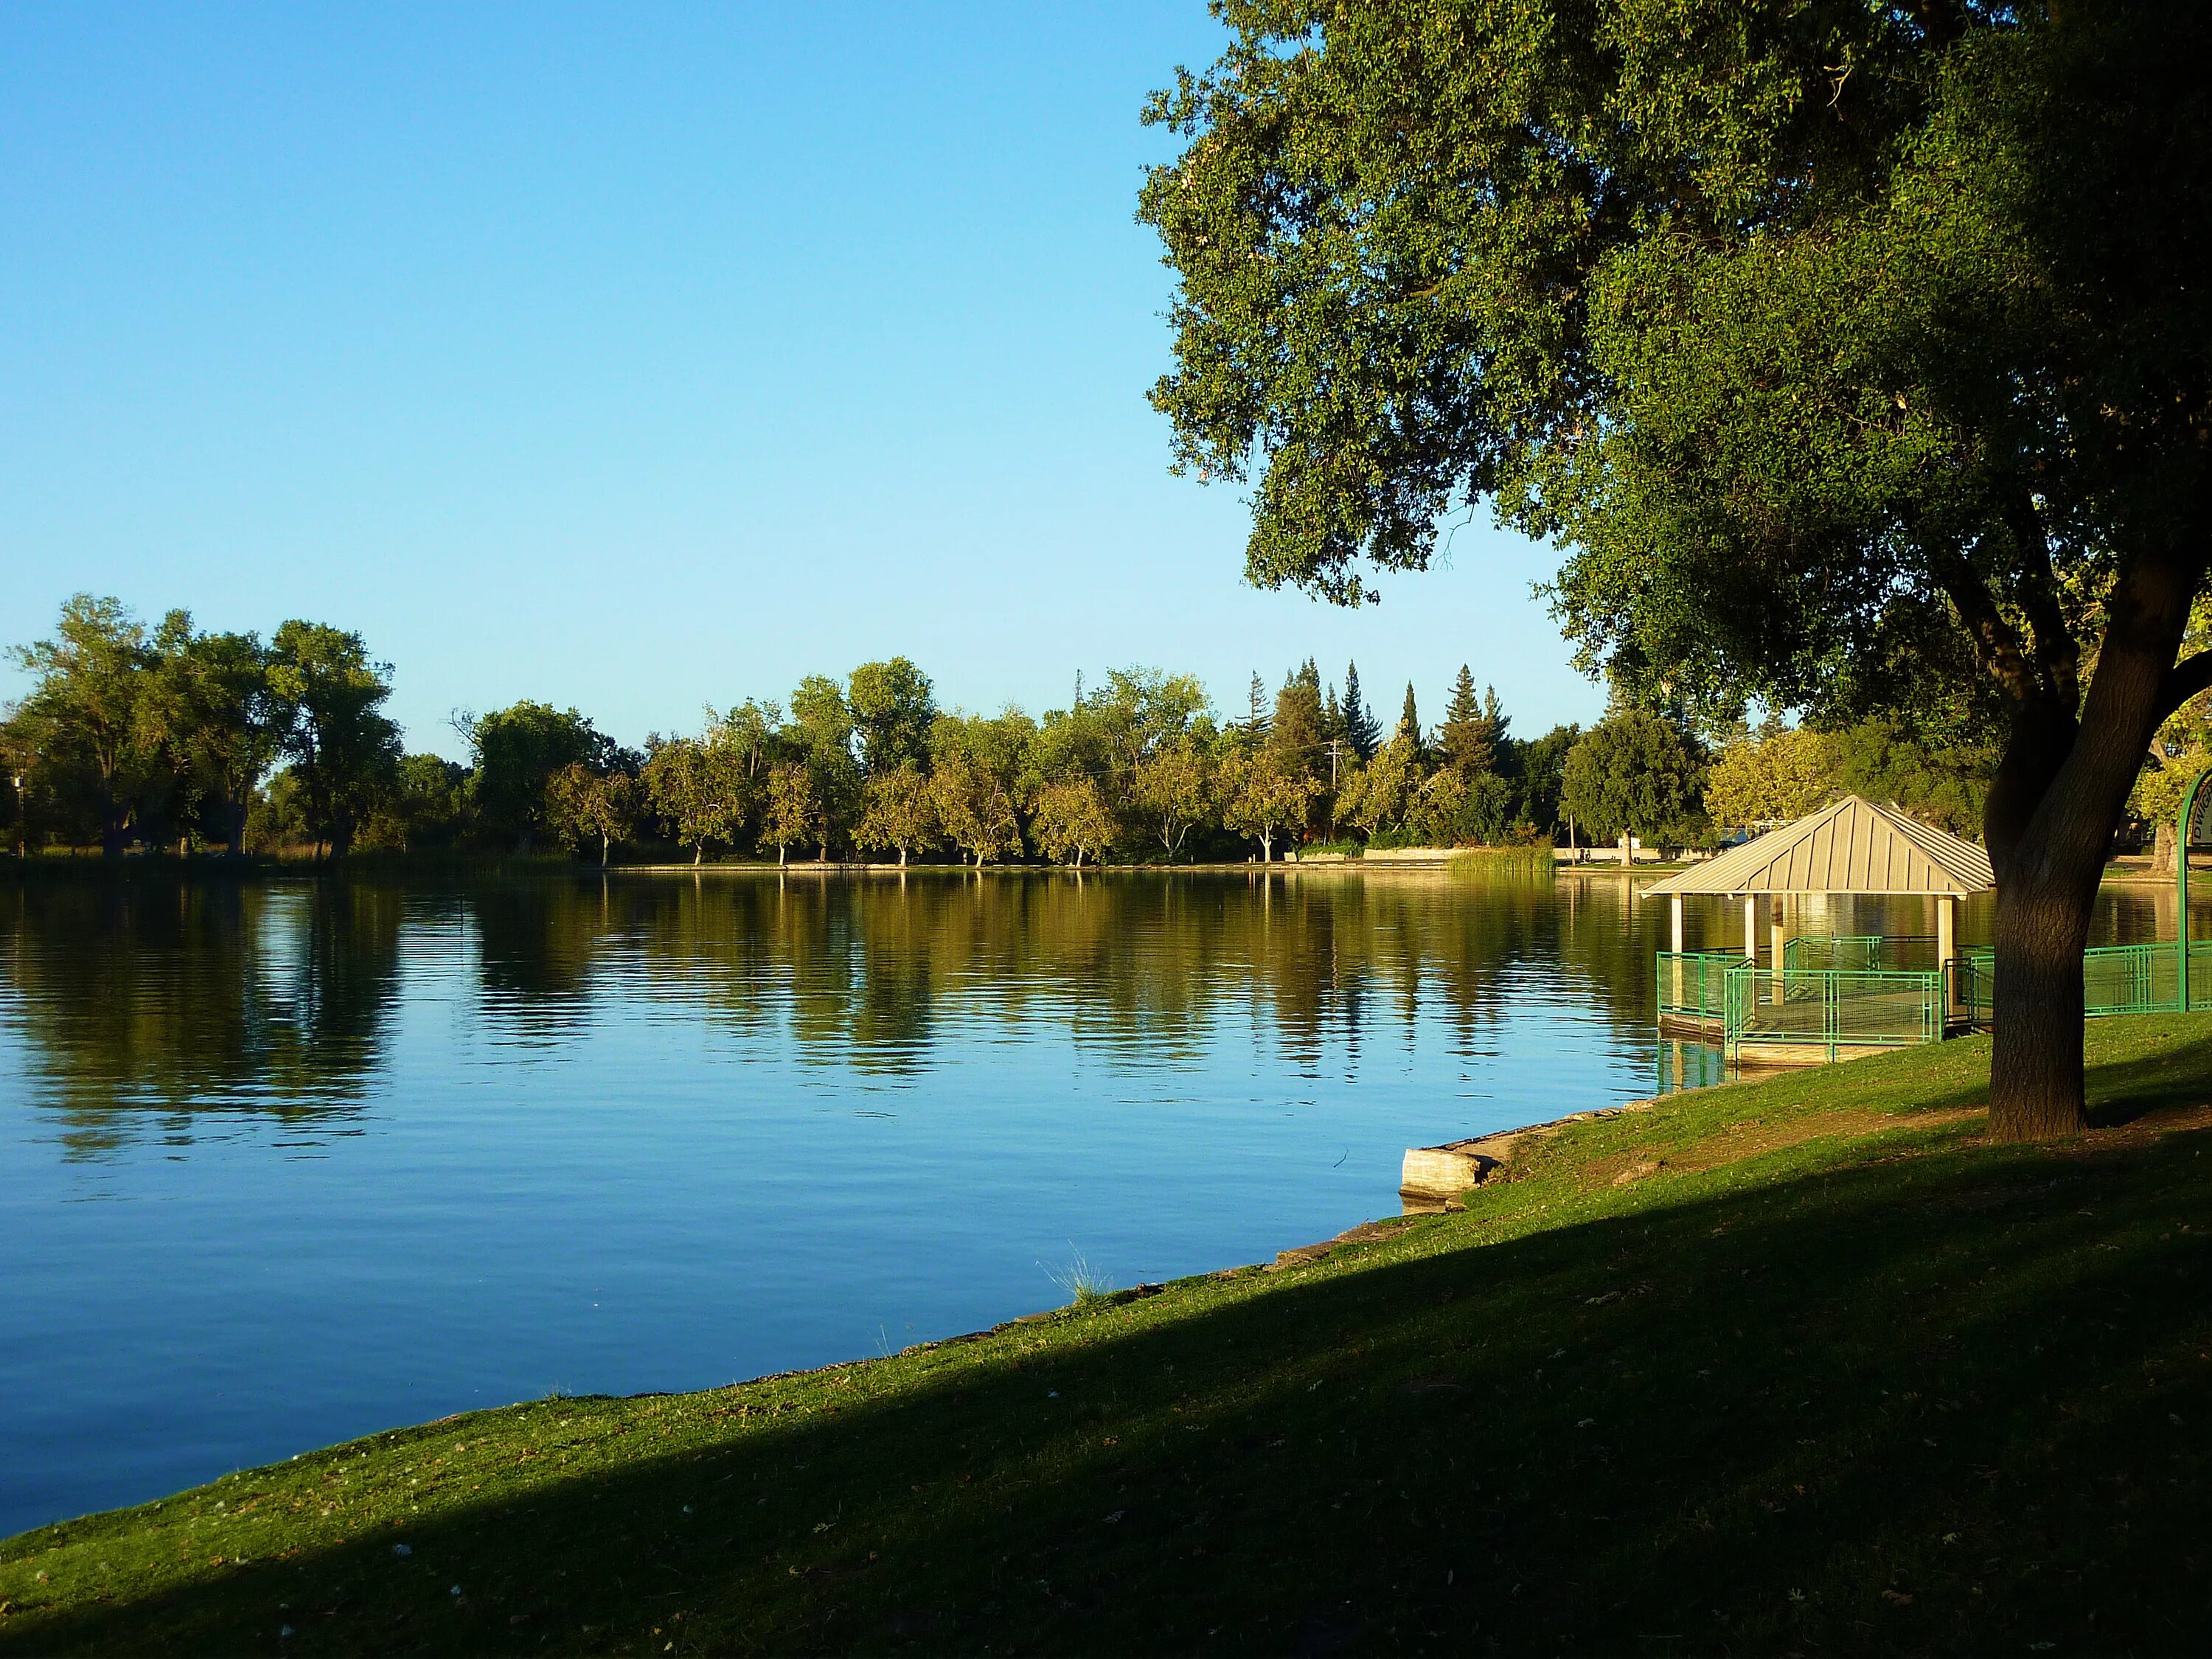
{"x": 1693, "y": 984}
{"x": 2116, "y": 979}
{"x": 1861, "y": 952}
{"x": 1828, "y": 1009}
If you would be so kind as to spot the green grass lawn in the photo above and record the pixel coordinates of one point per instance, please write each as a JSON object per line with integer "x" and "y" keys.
{"x": 1793, "y": 1366}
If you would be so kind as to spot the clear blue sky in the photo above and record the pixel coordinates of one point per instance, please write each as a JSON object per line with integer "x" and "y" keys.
{"x": 638, "y": 357}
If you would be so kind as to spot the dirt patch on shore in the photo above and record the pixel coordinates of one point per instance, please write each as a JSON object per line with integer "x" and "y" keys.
{"x": 1758, "y": 1136}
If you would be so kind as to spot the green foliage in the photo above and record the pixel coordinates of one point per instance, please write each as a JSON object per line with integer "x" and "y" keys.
{"x": 1073, "y": 820}
{"x": 1473, "y": 732}
{"x": 519, "y": 751}
{"x": 1778, "y": 775}
{"x": 1633, "y": 774}
{"x": 329, "y": 699}
{"x": 1263, "y": 795}
{"x": 900, "y": 813}
{"x": 427, "y": 806}
{"x": 89, "y": 687}
{"x": 1887, "y": 760}
{"x": 701, "y": 787}
{"x": 583, "y": 805}
{"x": 1541, "y": 763}
{"x": 893, "y": 707}
{"x": 1361, "y": 728}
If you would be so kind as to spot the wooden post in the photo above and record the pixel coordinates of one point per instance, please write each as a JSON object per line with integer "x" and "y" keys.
{"x": 1774, "y": 934}
{"x": 1675, "y": 904}
{"x": 1751, "y": 928}
{"x": 1947, "y": 950}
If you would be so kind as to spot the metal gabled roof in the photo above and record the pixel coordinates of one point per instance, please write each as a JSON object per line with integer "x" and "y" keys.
{"x": 1852, "y": 846}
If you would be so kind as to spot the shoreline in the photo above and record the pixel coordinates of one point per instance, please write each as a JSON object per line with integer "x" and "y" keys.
{"x": 1664, "y": 1335}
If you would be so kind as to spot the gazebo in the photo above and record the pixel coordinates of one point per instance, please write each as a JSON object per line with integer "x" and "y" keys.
{"x": 1823, "y": 997}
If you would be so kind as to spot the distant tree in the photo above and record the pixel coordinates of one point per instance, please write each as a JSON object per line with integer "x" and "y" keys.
{"x": 898, "y": 811}
{"x": 1780, "y": 773}
{"x": 424, "y": 807}
{"x": 1543, "y": 767}
{"x": 88, "y": 685}
{"x": 1264, "y": 796}
{"x": 518, "y": 749}
{"x": 1473, "y": 735}
{"x": 795, "y": 812}
{"x": 1409, "y": 726}
{"x": 1361, "y": 728}
{"x": 820, "y": 716}
{"x": 1633, "y": 773}
{"x": 892, "y": 708}
{"x": 1073, "y": 820}
{"x": 228, "y": 729}
{"x": 750, "y": 732}
{"x": 1300, "y": 717}
{"x": 700, "y": 787}
{"x": 1260, "y": 721}
{"x": 1171, "y": 790}
{"x": 329, "y": 699}
{"x": 974, "y": 805}
{"x": 1947, "y": 783}
{"x": 582, "y": 805}
{"x": 1141, "y": 710}
{"x": 1384, "y": 793}
{"x": 822, "y": 735}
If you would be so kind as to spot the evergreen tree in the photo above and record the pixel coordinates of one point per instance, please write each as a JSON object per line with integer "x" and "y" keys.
{"x": 1409, "y": 721}
{"x": 1299, "y": 716}
{"x": 1473, "y": 728}
{"x": 1361, "y": 728}
{"x": 1261, "y": 722}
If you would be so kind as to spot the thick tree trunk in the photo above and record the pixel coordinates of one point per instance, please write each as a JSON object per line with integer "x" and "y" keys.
{"x": 902, "y": 858}
{"x": 606, "y": 845}
{"x": 699, "y": 853}
{"x": 782, "y": 854}
{"x": 2051, "y": 812}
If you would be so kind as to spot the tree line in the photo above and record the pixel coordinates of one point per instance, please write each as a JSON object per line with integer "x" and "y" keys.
{"x": 170, "y": 736}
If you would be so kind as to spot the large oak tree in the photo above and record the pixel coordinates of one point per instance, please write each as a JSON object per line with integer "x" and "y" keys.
{"x": 1855, "y": 354}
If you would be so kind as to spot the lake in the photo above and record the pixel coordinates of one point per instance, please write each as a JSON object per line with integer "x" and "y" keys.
{"x": 289, "y": 1160}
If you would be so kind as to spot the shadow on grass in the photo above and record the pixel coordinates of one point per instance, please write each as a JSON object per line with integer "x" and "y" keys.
{"x": 1946, "y": 1402}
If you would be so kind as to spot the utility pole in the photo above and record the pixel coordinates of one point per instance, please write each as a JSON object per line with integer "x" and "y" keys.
{"x": 1335, "y": 745}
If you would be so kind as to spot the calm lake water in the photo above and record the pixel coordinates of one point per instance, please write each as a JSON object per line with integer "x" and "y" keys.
{"x": 289, "y": 1161}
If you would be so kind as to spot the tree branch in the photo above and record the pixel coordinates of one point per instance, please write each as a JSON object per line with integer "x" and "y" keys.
{"x": 2058, "y": 654}
{"x": 1996, "y": 643}
{"x": 2187, "y": 678}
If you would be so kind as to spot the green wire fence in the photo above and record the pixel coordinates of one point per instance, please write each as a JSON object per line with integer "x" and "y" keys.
{"x": 1835, "y": 992}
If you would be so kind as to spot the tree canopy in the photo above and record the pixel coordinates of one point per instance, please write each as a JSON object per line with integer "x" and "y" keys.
{"x": 1857, "y": 356}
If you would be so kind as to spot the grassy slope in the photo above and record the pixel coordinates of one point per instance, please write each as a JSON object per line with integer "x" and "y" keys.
{"x": 1835, "y": 1374}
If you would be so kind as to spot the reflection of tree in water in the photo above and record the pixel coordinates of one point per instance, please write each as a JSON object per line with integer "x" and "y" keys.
{"x": 146, "y": 1004}
{"x": 866, "y": 972}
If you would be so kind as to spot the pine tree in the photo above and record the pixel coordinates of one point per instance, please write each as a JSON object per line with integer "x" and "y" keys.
{"x": 1361, "y": 729}
{"x": 1494, "y": 722}
{"x": 1299, "y": 716}
{"x": 1260, "y": 722}
{"x": 1465, "y": 736}
{"x": 1409, "y": 721}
